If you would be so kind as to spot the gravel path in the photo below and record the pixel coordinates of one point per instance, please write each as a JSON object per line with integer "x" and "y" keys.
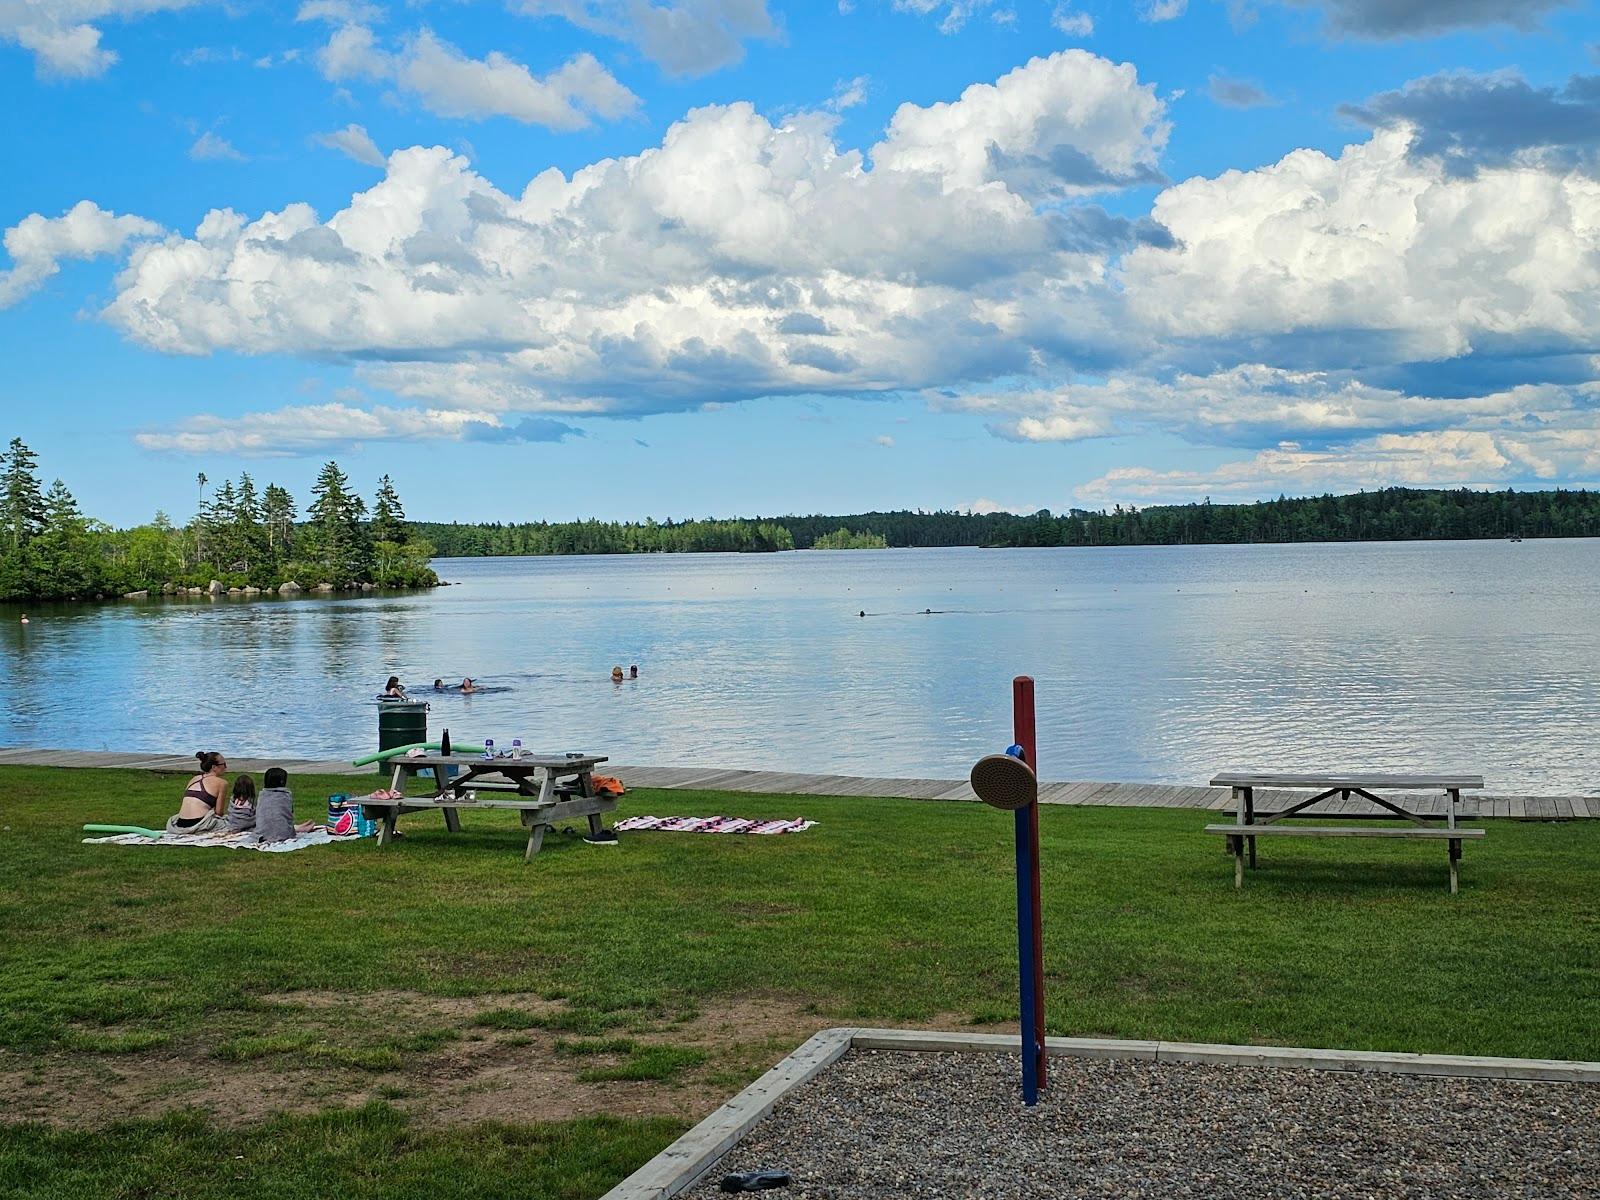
{"x": 893, "y": 1124}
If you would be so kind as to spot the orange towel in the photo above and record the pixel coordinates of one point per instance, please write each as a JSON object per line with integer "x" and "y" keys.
{"x": 607, "y": 784}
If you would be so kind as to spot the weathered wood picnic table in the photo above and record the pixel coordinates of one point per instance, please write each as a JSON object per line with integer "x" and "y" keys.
{"x": 543, "y": 788}
{"x": 1324, "y": 787}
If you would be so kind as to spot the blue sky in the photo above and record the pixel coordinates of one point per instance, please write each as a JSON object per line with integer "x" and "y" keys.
{"x": 627, "y": 258}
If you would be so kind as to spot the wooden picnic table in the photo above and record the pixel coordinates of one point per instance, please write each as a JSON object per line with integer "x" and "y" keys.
{"x": 542, "y": 788}
{"x": 1242, "y": 834}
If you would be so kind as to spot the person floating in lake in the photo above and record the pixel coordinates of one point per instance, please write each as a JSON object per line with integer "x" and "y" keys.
{"x": 616, "y": 674}
{"x": 467, "y": 686}
{"x": 438, "y": 685}
{"x": 24, "y": 618}
{"x": 394, "y": 690}
{"x": 633, "y": 672}
{"x": 205, "y": 798}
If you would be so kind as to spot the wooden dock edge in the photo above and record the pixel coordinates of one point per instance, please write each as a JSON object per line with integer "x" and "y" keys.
{"x": 787, "y": 783}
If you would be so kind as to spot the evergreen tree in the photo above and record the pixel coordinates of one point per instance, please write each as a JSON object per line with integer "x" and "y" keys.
{"x": 335, "y": 518}
{"x": 21, "y": 505}
{"x": 61, "y": 556}
{"x": 388, "y": 518}
{"x": 278, "y": 516}
{"x": 220, "y": 523}
{"x": 249, "y": 537}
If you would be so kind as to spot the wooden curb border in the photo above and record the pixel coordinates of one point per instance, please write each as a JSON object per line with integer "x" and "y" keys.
{"x": 681, "y": 1165}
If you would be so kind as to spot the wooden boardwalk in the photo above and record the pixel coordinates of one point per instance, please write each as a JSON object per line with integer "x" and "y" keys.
{"x": 782, "y": 783}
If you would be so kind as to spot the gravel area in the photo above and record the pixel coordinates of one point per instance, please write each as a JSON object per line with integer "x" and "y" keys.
{"x": 889, "y": 1123}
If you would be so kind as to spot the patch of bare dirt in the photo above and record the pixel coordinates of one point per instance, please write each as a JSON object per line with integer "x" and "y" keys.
{"x": 484, "y": 1074}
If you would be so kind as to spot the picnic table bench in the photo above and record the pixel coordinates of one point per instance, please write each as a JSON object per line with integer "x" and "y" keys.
{"x": 1241, "y": 836}
{"x": 543, "y": 788}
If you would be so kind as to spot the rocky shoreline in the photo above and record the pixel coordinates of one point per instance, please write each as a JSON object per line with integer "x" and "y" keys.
{"x": 216, "y": 588}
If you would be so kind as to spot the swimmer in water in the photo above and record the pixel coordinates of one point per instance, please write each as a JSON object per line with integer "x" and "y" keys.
{"x": 438, "y": 685}
{"x": 25, "y": 618}
{"x": 616, "y": 674}
{"x": 633, "y": 672}
{"x": 467, "y": 686}
{"x": 393, "y": 690}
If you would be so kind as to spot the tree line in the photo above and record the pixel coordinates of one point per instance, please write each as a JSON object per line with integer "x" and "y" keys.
{"x": 241, "y": 537}
{"x": 605, "y": 537}
{"x": 1388, "y": 514}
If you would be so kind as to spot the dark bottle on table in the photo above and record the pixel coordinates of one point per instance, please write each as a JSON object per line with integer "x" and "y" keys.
{"x": 444, "y": 743}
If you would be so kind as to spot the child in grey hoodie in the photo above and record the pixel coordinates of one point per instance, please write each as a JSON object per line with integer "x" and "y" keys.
{"x": 275, "y": 809}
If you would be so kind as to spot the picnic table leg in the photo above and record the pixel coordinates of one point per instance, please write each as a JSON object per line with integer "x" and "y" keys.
{"x": 1455, "y": 858}
{"x": 386, "y": 831}
{"x": 452, "y": 821}
{"x": 1450, "y": 813}
{"x": 397, "y": 781}
{"x": 595, "y": 827}
{"x": 535, "y": 840}
{"x": 1236, "y": 844}
{"x": 1250, "y": 819}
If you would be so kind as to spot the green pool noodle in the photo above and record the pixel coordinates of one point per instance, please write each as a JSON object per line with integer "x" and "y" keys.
{"x": 139, "y": 829}
{"x": 456, "y": 747}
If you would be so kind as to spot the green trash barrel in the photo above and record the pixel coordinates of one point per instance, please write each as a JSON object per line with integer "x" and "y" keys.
{"x": 400, "y": 723}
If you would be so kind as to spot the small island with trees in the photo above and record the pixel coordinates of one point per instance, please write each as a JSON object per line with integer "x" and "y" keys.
{"x": 242, "y": 541}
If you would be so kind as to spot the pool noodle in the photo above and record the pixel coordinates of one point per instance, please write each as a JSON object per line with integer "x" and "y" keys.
{"x": 460, "y": 747}
{"x": 139, "y": 829}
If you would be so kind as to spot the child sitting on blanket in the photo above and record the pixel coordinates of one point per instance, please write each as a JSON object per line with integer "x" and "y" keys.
{"x": 275, "y": 809}
{"x": 242, "y": 809}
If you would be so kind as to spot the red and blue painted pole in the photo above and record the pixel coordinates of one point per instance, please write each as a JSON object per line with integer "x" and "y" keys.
{"x": 1030, "y": 939}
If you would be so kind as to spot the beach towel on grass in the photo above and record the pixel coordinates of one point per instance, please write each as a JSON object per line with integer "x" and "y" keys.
{"x": 227, "y": 841}
{"x": 713, "y": 825}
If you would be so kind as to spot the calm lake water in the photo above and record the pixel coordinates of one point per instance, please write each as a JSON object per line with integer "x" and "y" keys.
{"x": 1157, "y": 664}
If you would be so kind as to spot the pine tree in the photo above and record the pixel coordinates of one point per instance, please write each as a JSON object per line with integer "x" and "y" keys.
{"x": 336, "y": 516}
{"x": 250, "y": 539}
{"x": 278, "y": 515}
{"x": 388, "y": 518}
{"x": 61, "y": 557}
{"x": 220, "y": 520}
{"x": 21, "y": 505}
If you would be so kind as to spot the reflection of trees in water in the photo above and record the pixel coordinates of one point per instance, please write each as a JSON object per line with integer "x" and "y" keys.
{"x": 344, "y": 632}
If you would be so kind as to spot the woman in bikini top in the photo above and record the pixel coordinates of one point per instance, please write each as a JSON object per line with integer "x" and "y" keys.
{"x": 206, "y": 794}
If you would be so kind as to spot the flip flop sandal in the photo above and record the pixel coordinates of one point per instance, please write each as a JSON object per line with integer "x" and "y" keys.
{"x": 754, "y": 1181}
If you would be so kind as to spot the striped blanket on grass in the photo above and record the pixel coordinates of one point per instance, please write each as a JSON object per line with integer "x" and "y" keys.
{"x": 712, "y": 825}
{"x": 220, "y": 841}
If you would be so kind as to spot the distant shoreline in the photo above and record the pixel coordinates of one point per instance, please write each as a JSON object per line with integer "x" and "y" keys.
{"x": 1389, "y": 515}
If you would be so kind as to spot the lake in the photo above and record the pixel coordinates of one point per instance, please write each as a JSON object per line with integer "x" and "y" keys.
{"x": 1154, "y": 664}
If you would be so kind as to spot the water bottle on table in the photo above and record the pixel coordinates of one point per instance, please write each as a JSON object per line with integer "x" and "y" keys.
{"x": 516, "y": 747}
{"x": 488, "y": 747}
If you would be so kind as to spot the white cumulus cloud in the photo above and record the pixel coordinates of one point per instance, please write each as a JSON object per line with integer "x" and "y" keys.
{"x": 213, "y": 147}
{"x": 1069, "y": 124}
{"x": 453, "y": 84}
{"x": 37, "y": 244}
{"x": 1444, "y": 458}
{"x": 353, "y": 141}
{"x": 683, "y": 37}
{"x": 1374, "y": 254}
{"x": 306, "y": 428}
{"x": 1162, "y": 10}
{"x": 1071, "y": 22}
{"x": 739, "y": 258}
{"x": 64, "y": 35}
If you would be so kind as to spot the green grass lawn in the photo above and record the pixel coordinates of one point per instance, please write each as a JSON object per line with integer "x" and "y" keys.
{"x": 888, "y": 911}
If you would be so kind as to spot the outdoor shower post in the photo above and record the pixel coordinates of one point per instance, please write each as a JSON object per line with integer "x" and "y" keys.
{"x": 1010, "y": 782}
{"x": 1030, "y": 930}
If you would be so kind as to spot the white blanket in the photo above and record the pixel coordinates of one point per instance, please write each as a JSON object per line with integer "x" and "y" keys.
{"x": 222, "y": 841}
